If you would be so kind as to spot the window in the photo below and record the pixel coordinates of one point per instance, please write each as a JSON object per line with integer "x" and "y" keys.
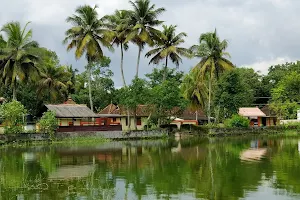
{"x": 126, "y": 121}
{"x": 139, "y": 121}
{"x": 114, "y": 119}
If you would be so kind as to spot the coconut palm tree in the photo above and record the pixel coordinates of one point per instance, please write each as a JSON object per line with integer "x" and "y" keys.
{"x": 19, "y": 55}
{"x": 167, "y": 48}
{"x": 143, "y": 19}
{"x": 213, "y": 61}
{"x": 118, "y": 23}
{"x": 87, "y": 36}
{"x": 53, "y": 82}
{"x": 194, "y": 91}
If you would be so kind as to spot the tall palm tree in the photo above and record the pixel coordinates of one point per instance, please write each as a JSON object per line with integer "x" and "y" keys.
{"x": 118, "y": 23}
{"x": 143, "y": 19}
{"x": 53, "y": 82}
{"x": 86, "y": 36}
{"x": 167, "y": 47}
{"x": 213, "y": 61}
{"x": 19, "y": 55}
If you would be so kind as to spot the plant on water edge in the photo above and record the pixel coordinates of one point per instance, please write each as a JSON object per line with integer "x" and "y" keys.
{"x": 237, "y": 121}
{"x": 48, "y": 123}
{"x": 13, "y": 114}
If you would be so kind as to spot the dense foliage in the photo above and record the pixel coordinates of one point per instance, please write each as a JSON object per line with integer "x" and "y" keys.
{"x": 48, "y": 123}
{"x": 237, "y": 121}
{"x": 13, "y": 114}
{"x": 35, "y": 76}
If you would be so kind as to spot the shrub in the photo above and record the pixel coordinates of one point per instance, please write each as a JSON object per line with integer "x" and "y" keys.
{"x": 237, "y": 121}
{"x": 48, "y": 123}
{"x": 13, "y": 115}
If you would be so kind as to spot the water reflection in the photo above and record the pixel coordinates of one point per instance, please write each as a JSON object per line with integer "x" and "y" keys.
{"x": 185, "y": 169}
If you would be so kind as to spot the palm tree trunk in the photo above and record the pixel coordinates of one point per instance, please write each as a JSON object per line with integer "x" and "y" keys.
{"x": 138, "y": 62}
{"x": 165, "y": 70}
{"x": 90, "y": 87}
{"x": 209, "y": 99}
{"x": 128, "y": 119}
{"x": 14, "y": 90}
{"x": 122, "y": 59}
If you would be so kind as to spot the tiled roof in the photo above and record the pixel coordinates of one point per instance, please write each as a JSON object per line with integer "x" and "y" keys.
{"x": 251, "y": 112}
{"x": 146, "y": 110}
{"x": 71, "y": 111}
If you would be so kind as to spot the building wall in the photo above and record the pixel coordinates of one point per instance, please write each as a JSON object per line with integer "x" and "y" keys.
{"x": 139, "y": 127}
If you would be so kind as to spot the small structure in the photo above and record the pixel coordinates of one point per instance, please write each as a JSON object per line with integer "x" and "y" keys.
{"x": 74, "y": 117}
{"x": 258, "y": 117}
{"x": 255, "y": 115}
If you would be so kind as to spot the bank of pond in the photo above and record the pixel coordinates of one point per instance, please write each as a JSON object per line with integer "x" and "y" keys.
{"x": 97, "y": 137}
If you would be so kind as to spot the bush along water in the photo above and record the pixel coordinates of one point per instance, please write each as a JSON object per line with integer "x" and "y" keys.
{"x": 237, "y": 121}
{"x": 13, "y": 114}
{"x": 48, "y": 124}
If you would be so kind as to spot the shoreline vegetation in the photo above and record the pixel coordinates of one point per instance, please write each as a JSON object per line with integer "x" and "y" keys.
{"x": 32, "y": 76}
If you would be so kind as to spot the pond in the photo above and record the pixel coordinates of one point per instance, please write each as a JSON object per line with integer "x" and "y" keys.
{"x": 194, "y": 168}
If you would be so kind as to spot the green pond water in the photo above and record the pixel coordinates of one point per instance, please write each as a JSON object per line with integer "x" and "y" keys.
{"x": 194, "y": 168}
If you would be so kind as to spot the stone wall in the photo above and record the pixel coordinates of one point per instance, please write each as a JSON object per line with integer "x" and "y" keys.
{"x": 114, "y": 134}
{"x": 118, "y": 135}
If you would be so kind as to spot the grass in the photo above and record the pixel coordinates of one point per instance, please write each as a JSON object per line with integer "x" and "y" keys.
{"x": 76, "y": 141}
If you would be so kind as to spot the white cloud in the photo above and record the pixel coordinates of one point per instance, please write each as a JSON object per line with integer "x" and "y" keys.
{"x": 263, "y": 65}
{"x": 268, "y": 29}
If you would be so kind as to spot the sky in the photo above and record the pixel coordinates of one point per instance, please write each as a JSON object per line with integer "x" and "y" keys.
{"x": 260, "y": 33}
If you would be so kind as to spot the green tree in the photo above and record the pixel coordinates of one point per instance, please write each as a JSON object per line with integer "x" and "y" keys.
{"x": 48, "y": 123}
{"x": 87, "y": 36}
{"x": 102, "y": 85}
{"x": 118, "y": 23}
{"x": 194, "y": 91}
{"x": 13, "y": 114}
{"x": 286, "y": 96}
{"x": 52, "y": 86}
{"x": 213, "y": 61}
{"x": 233, "y": 92}
{"x": 156, "y": 76}
{"x": 167, "y": 101}
{"x": 19, "y": 56}
{"x": 135, "y": 94}
{"x": 143, "y": 20}
{"x": 167, "y": 47}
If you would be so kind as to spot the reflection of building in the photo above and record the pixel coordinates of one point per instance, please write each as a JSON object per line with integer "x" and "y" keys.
{"x": 257, "y": 117}
{"x": 253, "y": 154}
{"x": 71, "y": 172}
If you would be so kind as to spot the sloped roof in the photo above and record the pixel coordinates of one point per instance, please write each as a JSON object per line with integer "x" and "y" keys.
{"x": 111, "y": 109}
{"x": 251, "y": 112}
{"x": 189, "y": 114}
{"x": 71, "y": 111}
{"x": 145, "y": 110}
